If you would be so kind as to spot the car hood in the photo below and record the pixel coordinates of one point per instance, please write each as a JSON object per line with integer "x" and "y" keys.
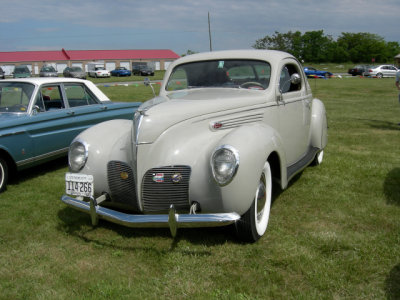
{"x": 161, "y": 113}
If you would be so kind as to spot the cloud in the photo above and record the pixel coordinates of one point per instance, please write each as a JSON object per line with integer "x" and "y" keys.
{"x": 182, "y": 25}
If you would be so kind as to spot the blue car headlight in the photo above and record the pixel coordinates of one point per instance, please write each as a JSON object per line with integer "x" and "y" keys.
{"x": 224, "y": 164}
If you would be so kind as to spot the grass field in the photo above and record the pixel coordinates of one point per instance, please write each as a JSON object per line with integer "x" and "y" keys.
{"x": 334, "y": 234}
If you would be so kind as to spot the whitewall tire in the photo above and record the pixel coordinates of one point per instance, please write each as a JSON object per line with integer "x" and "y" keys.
{"x": 254, "y": 222}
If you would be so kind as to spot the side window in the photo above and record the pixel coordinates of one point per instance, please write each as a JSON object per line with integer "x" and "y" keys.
{"x": 78, "y": 95}
{"x": 285, "y": 85}
{"x": 51, "y": 97}
{"x": 178, "y": 80}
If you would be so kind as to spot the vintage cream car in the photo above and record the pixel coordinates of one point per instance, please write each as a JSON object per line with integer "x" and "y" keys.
{"x": 207, "y": 150}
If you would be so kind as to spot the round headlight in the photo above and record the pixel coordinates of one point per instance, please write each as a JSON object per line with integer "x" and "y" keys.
{"x": 224, "y": 164}
{"x": 77, "y": 155}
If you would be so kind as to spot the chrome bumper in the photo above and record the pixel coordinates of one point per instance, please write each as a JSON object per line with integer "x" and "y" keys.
{"x": 172, "y": 220}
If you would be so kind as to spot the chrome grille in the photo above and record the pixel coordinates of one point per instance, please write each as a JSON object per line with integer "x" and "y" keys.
{"x": 238, "y": 121}
{"x": 122, "y": 183}
{"x": 159, "y": 190}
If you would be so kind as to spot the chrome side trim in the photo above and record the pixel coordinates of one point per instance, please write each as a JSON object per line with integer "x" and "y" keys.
{"x": 171, "y": 220}
{"x": 28, "y": 161}
{"x": 12, "y": 133}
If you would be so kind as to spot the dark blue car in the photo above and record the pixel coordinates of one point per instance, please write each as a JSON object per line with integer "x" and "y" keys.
{"x": 314, "y": 73}
{"x": 39, "y": 117}
{"x": 121, "y": 71}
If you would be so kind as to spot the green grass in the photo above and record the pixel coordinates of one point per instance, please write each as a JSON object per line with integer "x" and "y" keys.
{"x": 333, "y": 234}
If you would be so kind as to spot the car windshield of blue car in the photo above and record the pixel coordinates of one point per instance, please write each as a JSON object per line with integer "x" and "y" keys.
{"x": 248, "y": 74}
{"x": 15, "y": 96}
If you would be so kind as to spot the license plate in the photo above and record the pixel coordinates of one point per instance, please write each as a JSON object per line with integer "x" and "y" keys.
{"x": 79, "y": 185}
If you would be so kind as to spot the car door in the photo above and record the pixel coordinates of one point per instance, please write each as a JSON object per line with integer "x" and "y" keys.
{"x": 294, "y": 112}
{"x": 50, "y": 122}
{"x": 87, "y": 110}
{"x": 392, "y": 71}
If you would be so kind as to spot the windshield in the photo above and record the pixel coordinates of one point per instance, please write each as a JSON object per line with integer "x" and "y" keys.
{"x": 250, "y": 74}
{"x": 21, "y": 70}
{"x": 15, "y": 96}
{"x": 76, "y": 69}
{"x": 48, "y": 69}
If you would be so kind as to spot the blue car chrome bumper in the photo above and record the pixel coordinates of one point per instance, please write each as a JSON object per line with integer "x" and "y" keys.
{"x": 172, "y": 220}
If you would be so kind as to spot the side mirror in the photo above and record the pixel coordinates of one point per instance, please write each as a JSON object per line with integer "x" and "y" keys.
{"x": 147, "y": 82}
{"x": 295, "y": 78}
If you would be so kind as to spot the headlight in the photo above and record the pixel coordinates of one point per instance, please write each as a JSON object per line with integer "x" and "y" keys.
{"x": 224, "y": 164}
{"x": 77, "y": 155}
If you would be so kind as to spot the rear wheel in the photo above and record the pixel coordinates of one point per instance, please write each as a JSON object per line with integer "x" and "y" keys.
{"x": 379, "y": 75}
{"x": 318, "y": 158}
{"x": 3, "y": 174}
{"x": 254, "y": 222}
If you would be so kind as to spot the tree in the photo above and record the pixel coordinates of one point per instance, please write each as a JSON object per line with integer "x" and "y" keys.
{"x": 289, "y": 42}
{"x": 189, "y": 52}
{"x": 315, "y": 46}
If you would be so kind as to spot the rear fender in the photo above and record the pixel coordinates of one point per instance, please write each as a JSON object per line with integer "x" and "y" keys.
{"x": 254, "y": 143}
{"x": 319, "y": 125}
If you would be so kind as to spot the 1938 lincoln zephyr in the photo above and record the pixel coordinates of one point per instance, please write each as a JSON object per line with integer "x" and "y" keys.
{"x": 206, "y": 151}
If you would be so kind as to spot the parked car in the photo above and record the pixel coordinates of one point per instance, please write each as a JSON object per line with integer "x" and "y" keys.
{"x": 143, "y": 71}
{"x": 74, "y": 72}
{"x": 121, "y": 71}
{"x": 2, "y": 74}
{"x": 48, "y": 71}
{"x": 99, "y": 72}
{"x": 39, "y": 117}
{"x": 358, "y": 70}
{"x": 206, "y": 151}
{"x": 21, "y": 72}
{"x": 314, "y": 73}
{"x": 381, "y": 71}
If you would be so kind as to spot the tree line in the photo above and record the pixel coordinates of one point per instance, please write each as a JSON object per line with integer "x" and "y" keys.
{"x": 315, "y": 46}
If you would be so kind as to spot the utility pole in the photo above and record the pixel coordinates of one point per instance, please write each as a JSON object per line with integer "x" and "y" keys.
{"x": 209, "y": 31}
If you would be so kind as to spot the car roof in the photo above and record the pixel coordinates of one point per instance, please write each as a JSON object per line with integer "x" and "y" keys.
{"x": 42, "y": 80}
{"x": 271, "y": 55}
{"x": 46, "y": 80}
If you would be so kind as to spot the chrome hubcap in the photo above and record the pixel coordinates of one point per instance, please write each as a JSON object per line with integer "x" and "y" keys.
{"x": 261, "y": 197}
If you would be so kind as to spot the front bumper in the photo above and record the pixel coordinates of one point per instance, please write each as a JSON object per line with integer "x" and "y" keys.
{"x": 172, "y": 220}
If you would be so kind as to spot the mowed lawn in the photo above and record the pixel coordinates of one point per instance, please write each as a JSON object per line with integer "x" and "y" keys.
{"x": 334, "y": 234}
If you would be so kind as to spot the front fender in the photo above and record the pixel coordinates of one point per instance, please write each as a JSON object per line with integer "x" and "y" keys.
{"x": 110, "y": 140}
{"x": 254, "y": 143}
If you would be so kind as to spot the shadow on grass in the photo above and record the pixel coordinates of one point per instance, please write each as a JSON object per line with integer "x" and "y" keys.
{"x": 27, "y": 174}
{"x": 78, "y": 224}
{"x": 391, "y": 187}
{"x": 392, "y": 283}
{"x": 380, "y": 124}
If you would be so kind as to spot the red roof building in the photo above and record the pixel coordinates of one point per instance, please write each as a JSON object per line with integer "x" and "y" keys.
{"x": 158, "y": 59}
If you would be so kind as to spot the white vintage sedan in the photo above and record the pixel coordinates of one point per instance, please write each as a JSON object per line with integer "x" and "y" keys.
{"x": 207, "y": 150}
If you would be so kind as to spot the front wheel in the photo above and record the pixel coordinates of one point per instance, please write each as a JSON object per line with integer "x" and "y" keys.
{"x": 3, "y": 174}
{"x": 253, "y": 224}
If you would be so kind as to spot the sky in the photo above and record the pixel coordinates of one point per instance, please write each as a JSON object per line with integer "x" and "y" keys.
{"x": 31, "y": 25}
